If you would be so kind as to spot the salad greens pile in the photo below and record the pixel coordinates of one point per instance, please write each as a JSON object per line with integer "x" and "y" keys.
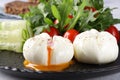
{"x": 69, "y": 14}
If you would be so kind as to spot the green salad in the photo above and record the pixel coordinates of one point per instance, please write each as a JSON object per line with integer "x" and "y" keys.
{"x": 64, "y": 15}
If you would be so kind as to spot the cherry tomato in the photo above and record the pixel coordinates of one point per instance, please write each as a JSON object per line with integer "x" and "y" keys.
{"x": 53, "y": 31}
{"x": 90, "y": 8}
{"x": 114, "y": 31}
{"x": 71, "y": 34}
{"x": 70, "y": 16}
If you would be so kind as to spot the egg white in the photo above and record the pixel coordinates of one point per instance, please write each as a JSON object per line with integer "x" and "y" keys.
{"x": 95, "y": 47}
{"x": 35, "y": 50}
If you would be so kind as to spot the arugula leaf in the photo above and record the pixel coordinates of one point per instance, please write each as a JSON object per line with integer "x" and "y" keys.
{"x": 78, "y": 14}
{"x": 40, "y": 29}
{"x": 88, "y": 16}
{"x": 65, "y": 8}
{"x": 48, "y": 21}
{"x": 98, "y": 4}
{"x": 103, "y": 20}
{"x": 41, "y": 8}
{"x": 42, "y": 16}
{"x": 55, "y": 12}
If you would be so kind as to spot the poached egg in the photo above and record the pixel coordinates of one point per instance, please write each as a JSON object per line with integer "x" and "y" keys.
{"x": 95, "y": 47}
{"x": 48, "y": 54}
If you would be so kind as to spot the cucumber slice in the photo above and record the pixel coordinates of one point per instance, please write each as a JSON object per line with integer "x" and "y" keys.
{"x": 12, "y": 25}
{"x": 13, "y": 34}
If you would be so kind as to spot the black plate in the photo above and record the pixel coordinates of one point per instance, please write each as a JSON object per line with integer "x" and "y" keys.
{"x": 12, "y": 64}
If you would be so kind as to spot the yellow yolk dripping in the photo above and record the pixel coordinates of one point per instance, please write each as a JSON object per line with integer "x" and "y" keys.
{"x": 49, "y": 54}
{"x": 59, "y": 67}
{"x": 49, "y": 67}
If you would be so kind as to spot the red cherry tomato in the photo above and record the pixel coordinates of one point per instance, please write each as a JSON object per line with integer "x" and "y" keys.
{"x": 53, "y": 31}
{"x": 70, "y": 16}
{"x": 71, "y": 34}
{"x": 90, "y": 8}
{"x": 114, "y": 31}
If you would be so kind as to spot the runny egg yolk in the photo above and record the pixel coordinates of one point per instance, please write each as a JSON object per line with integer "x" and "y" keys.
{"x": 49, "y": 54}
{"x": 49, "y": 67}
{"x": 59, "y": 67}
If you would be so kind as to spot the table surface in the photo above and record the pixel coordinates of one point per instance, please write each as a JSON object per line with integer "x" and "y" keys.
{"x": 116, "y": 14}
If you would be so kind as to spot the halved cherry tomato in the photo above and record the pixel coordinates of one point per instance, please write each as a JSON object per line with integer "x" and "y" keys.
{"x": 71, "y": 34}
{"x": 53, "y": 31}
{"x": 114, "y": 31}
{"x": 90, "y": 8}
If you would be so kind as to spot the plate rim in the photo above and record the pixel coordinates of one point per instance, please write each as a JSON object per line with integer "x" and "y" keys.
{"x": 25, "y": 73}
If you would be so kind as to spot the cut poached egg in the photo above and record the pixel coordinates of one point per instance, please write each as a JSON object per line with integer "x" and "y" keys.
{"x": 48, "y": 54}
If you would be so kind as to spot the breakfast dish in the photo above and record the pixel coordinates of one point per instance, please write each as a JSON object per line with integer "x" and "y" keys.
{"x": 64, "y": 37}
